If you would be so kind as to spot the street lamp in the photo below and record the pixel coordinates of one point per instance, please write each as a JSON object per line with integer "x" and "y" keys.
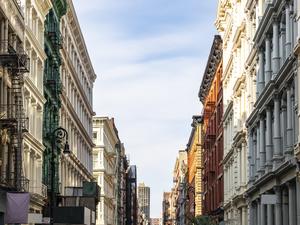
{"x": 58, "y": 137}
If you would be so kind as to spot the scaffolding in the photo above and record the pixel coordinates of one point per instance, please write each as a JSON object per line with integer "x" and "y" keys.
{"x": 14, "y": 62}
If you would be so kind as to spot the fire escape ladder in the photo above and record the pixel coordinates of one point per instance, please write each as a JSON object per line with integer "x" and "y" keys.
{"x": 14, "y": 119}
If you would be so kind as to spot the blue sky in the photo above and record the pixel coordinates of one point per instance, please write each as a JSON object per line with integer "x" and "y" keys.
{"x": 149, "y": 56}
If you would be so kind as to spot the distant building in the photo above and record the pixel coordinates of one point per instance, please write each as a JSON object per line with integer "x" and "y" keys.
{"x": 193, "y": 186}
{"x": 131, "y": 196}
{"x": 155, "y": 221}
{"x": 168, "y": 209}
{"x": 211, "y": 96}
{"x": 105, "y": 153}
{"x": 144, "y": 200}
{"x": 179, "y": 191}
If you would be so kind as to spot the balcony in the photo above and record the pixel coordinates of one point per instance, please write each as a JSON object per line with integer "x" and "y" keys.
{"x": 15, "y": 59}
{"x": 9, "y": 181}
{"x": 38, "y": 190}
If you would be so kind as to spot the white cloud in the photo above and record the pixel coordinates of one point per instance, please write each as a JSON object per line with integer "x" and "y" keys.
{"x": 149, "y": 82}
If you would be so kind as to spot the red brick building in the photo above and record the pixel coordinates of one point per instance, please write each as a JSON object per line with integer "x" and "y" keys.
{"x": 211, "y": 96}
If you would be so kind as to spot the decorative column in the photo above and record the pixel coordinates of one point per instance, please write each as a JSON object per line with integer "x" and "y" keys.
{"x": 251, "y": 156}
{"x": 2, "y": 35}
{"x": 39, "y": 175}
{"x": 285, "y": 206}
{"x": 27, "y": 161}
{"x": 284, "y": 121}
{"x": 298, "y": 197}
{"x": 278, "y": 206}
{"x": 296, "y": 100}
{"x": 262, "y": 144}
{"x": 288, "y": 30}
{"x": 257, "y": 152}
{"x": 269, "y": 149}
{"x": 244, "y": 216}
{"x": 276, "y": 58}
{"x": 282, "y": 42}
{"x": 268, "y": 73}
{"x": 6, "y": 36}
{"x": 34, "y": 119}
{"x": 243, "y": 164}
{"x": 292, "y": 203}
{"x": 258, "y": 217}
{"x": 263, "y": 214}
{"x": 261, "y": 71}
{"x": 289, "y": 147}
{"x": 253, "y": 208}
{"x": 270, "y": 217}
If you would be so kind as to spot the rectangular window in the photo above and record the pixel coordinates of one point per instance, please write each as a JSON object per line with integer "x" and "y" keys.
{"x": 95, "y": 160}
{"x": 95, "y": 135}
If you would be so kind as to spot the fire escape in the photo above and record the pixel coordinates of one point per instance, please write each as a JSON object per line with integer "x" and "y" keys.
{"x": 13, "y": 122}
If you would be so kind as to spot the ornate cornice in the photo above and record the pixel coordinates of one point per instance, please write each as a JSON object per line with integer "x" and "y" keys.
{"x": 214, "y": 59}
{"x": 75, "y": 27}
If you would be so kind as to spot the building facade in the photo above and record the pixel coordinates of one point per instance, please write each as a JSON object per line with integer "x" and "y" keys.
{"x": 105, "y": 167}
{"x": 14, "y": 63}
{"x": 122, "y": 165}
{"x": 52, "y": 88}
{"x": 238, "y": 98}
{"x": 273, "y": 126}
{"x": 167, "y": 209}
{"x": 35, "y": 15}
{"x": 155, "y": 221}
{"x": 211, "y": 96}
{"x": 144, "y": 200}
{"x": 179, "y": 178}
{"x": 77, "y": 78}
{"x": 194, "y": 185}
{"x": 131, "y": 196}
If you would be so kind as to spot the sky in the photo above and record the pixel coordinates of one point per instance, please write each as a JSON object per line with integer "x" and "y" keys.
{"x": 149, "y": 57}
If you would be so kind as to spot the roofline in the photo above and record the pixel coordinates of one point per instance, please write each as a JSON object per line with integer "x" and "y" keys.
{"x": 214, "y": 59}
{"x": 197, "y": 119}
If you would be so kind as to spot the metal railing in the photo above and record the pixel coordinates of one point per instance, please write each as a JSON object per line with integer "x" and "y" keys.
{"x": 40, "y": 190}
{"x": 8, "y": 180}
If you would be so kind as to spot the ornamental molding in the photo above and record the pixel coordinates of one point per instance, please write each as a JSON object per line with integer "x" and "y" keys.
{"x": 212, "y": 66}
{"x": 76, "y": 31}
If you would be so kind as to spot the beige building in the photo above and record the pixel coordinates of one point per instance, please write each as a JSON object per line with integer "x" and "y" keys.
{"x": 76, "y": 114}
{"x": 239, "y": 81}
{"x": 144, "y": 200}
{"x": 179, "y": 177}
{"x": 106, "y": 140}
{"x": 35, "y": 14}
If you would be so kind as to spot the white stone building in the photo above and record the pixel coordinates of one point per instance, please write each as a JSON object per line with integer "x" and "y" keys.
{"x": 238, "y": 99}
{"x": 76, "y": 115}
{"x": 106, "y": 141}
{"x": 273, "y": 124}
{"x": 179, "y": 178}
{"x": 35, "y": 14}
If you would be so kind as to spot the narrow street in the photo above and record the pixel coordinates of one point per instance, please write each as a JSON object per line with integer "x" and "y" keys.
{"x": 149, "y": 112}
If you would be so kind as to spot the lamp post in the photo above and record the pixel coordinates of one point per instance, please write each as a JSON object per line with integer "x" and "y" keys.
{"x": 58, "y": 137}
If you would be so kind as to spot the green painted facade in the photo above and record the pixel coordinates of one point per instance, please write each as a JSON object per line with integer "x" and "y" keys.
{"x": 52, "y": 87}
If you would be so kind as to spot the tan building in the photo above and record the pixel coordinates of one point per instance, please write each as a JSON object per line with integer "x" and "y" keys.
{"x": 194, "y": 187}
{"x": 179, "y": 177}
{"x": 106, "y": 141}
{"x": 155, "y": 221}
{"x": 144, "y": 200}
{"x": 167, "y": 208}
